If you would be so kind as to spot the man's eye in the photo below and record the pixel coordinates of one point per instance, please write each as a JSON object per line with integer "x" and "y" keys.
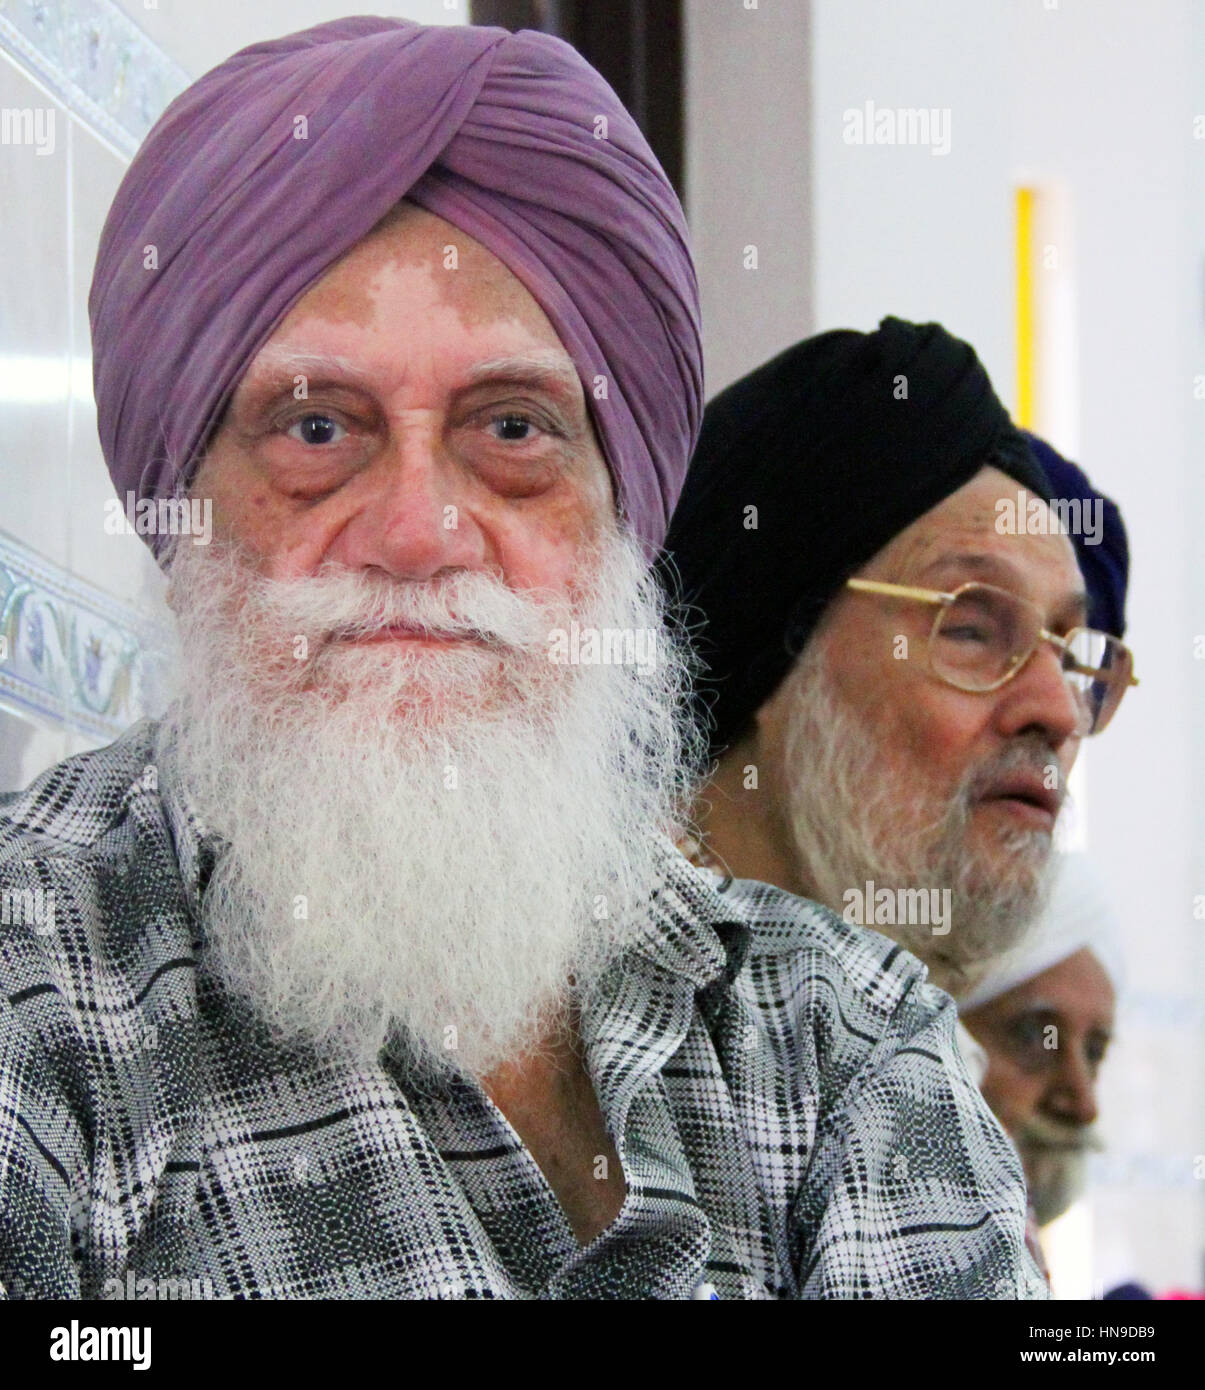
{"x": 1028, "y": 1037}
{"x": 966, "y": 632}
{"x": 316, "y": 430}
{"x": 513, "y": 428}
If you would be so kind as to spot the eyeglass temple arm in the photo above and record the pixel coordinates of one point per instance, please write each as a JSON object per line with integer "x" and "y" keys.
{"x": 876, "y": 586}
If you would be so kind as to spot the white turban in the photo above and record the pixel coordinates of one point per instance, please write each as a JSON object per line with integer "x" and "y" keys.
{"x": 1078, "y": 914}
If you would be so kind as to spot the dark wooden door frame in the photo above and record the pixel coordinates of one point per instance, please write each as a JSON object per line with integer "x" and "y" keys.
{"x": 635, "y": 44}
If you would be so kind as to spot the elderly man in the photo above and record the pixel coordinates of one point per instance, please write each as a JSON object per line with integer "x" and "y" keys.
{"x": 373, "y": 969}
{"x": 1044, "y": 1016}
{"x": 898, "y": 671}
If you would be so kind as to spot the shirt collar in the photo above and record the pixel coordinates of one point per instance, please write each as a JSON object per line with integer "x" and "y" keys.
{"x": 196, "y": 846}
{"x": 691, "y": 927}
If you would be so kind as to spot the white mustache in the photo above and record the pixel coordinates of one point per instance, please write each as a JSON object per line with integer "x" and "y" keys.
{"x": 1049, "y": 1136}
{"x": 343, "y": 604}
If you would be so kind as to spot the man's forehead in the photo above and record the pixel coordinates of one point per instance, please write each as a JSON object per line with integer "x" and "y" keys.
{"x": 1024, "y": 571}
{"x": 1077, "y": 986}
{"x": 433, "y": 259}
{"x": 963, "y": 535}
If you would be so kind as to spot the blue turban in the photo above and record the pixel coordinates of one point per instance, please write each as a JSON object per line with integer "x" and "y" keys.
{"x": 1105, "y": 565}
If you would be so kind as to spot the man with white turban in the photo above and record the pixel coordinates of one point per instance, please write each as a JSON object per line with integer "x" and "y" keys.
{"x": 1044, "y": 1017}
{"x": 371, "y": 969}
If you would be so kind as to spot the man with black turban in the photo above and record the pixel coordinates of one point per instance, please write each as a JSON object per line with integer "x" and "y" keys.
{"x": 371, "y": 969}
{"x": 899, "y": 670}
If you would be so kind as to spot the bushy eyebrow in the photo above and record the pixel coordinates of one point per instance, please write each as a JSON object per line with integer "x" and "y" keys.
{"x": 273, "y": 362}
{"x": 276, "y": 367}
{"x": 274, "y": 374}
{"x": 544, "y": 369}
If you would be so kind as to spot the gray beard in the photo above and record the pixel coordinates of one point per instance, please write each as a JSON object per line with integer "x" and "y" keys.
{"x": 854, "y": 818}
{"x": 422, "y": 846}
{"x": 1056, "y": 1161}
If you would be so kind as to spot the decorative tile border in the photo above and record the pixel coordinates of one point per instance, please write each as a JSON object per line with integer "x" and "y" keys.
{"x": 96, "y": 60}
{"x": 70, "y": 653}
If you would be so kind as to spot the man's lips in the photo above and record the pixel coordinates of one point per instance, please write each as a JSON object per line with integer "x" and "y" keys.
{"x": 405, "y": 632}
{"x": 1026, "y": 797}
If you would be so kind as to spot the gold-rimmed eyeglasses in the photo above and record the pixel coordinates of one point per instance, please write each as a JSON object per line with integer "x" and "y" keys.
{"x": 982, "y": 636}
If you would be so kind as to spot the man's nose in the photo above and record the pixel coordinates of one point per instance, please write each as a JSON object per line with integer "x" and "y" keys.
{"x": 1072, "y": 1096}
{"x": 1040, "y": 697}
{"x": 413, "y": 521}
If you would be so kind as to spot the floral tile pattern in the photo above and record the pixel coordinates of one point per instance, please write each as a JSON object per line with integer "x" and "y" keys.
{"x": 70, "y": 653}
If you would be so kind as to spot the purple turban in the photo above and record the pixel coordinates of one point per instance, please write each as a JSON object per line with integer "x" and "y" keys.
{"x": 225, "y": 218}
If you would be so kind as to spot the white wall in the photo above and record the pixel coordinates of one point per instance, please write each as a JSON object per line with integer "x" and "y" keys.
{"x": 900, "y": 229}
{"x": 748, "y": 178}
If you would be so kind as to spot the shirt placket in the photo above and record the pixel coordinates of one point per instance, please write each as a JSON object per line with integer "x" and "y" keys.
{"x": 500, "y": 1181}
{"x": 658, "y": 1244}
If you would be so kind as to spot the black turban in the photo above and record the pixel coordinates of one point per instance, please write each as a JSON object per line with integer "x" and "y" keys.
{"x": 840, "y": 442}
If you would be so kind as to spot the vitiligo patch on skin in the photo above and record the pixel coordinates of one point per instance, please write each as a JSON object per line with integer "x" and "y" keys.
{"x": 409, "y": 240}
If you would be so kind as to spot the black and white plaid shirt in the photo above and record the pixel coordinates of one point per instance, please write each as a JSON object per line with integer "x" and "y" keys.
{"x": 783, "y": 1091}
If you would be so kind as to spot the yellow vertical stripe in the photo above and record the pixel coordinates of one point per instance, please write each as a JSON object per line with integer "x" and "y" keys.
{"x": 1026, "y": 310}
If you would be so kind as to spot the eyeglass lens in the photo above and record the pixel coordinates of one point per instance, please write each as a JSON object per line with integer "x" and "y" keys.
{"x": 985, "y": 634}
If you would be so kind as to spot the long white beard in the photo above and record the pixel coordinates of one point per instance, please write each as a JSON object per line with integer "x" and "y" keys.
{"x": 855, "y": 817}
{"x": 435, "y": 839}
